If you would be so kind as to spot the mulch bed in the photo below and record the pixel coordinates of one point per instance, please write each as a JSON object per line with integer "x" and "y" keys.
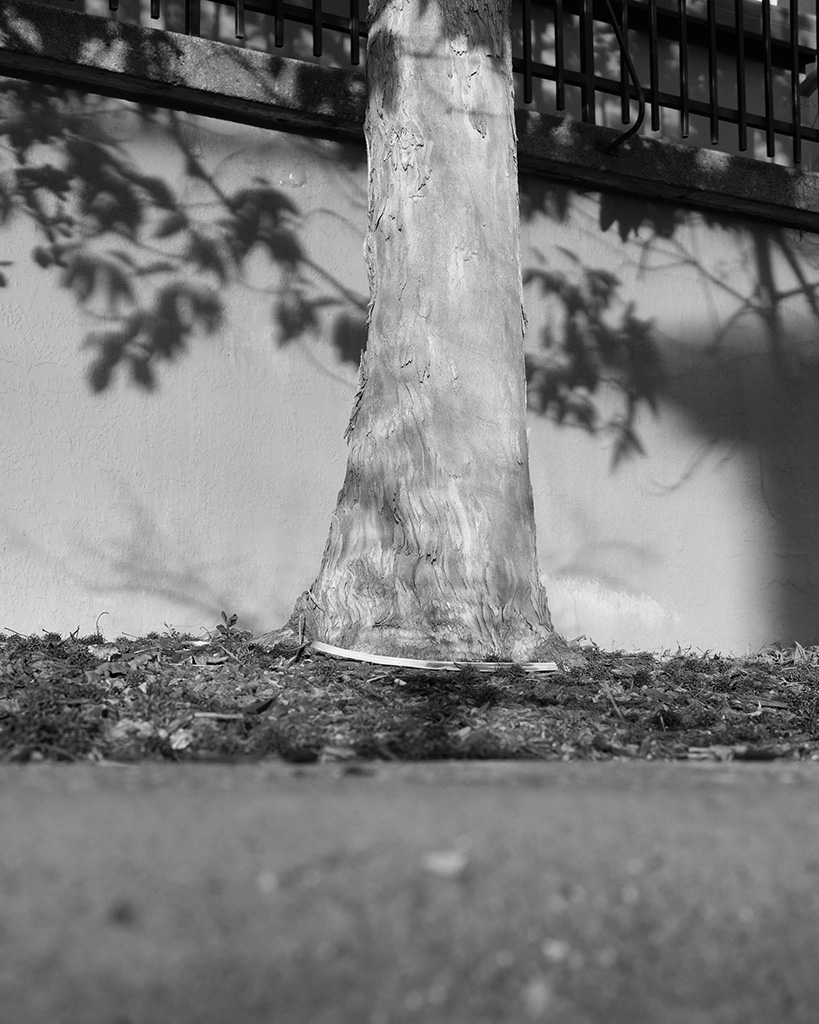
{"x": 220, "y": 698}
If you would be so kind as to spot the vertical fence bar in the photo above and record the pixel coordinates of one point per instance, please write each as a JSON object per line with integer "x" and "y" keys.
{"x": 625, "y": 98}
{"x": 796, "y": 110}
{"x": 113, "y": 5}
{"x": 527, "y": 51}
{"x": 239, "y": 19}
{"x": 560, "y": 80}
{"x": 682, "y": 10}
{"x": 768, "y": 78}
{"x": 317, "y": 25}
{"x": 742, "y": 120}
{"x": 154, "y": 9}
{"x": 278, "y": 22}
{"x": 713, "y": 96}
{"x": 192, "y": 17}
{"x": 653, "y": 70}
{"x": 355, "y": 57}
{"x": 815, "y": 61}
{"x": 587, "y": 61}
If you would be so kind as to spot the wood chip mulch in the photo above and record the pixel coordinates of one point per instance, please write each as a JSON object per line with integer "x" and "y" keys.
{"x": 220, "y": 698}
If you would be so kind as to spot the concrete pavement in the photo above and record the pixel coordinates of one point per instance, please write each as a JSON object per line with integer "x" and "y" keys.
{"x": 470, "y": 892}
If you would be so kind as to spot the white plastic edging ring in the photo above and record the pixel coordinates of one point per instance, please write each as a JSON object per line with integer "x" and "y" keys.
{"x": 443, "y": 666}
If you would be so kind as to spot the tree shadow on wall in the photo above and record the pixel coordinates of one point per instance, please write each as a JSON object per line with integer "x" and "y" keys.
{"x": 591, "y": 339}
{"x": 741, "y": 363}
{"x": 753, "y": 380}
{"x": 171, "y": 566}
{"x": 594, "y": 344}
{"x": 143, "y": 556}
{"x": 136, "y": 252}
{"x": 595, "y": 364}
{"x": 153, "y": 267}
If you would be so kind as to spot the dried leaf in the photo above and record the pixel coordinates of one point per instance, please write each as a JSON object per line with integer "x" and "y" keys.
{"x": 181, "y": 739}
{"x": 105, "y": 652}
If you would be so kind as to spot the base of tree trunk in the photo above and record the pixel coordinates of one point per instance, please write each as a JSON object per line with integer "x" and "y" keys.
{"x": 531, "y": 644}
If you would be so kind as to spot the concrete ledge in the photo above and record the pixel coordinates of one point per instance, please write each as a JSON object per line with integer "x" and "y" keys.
{"x": 705, "y": 178}
{"x": 167, "y": 69}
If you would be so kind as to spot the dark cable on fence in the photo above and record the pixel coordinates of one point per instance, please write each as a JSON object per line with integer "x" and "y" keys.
{"x": 641, "y": 99}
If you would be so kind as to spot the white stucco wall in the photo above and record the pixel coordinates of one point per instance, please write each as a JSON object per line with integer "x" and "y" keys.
{"x": 711, "y": 538}
{"x": 214, "y": 490}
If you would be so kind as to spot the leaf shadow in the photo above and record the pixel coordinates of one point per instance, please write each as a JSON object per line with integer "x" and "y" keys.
{"x": 150, "y": 264}
{"x": 591, "y": 340}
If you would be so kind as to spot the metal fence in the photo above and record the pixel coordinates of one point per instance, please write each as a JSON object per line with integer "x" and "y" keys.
{"x": 743, "y": 63}
{"x": 751, "y": 60}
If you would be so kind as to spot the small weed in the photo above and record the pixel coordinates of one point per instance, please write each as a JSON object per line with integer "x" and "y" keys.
{"x": 226, "y": 625}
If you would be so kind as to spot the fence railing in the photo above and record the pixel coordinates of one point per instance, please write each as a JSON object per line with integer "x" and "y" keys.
{"x": 693, "y": 66}
{"x": 740, "y": 62}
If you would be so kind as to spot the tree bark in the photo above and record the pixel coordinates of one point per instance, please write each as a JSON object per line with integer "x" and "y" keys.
{"x": 431, "y": 552}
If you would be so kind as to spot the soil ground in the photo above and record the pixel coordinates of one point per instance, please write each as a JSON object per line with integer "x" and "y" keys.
{"x": 625, "y": 892}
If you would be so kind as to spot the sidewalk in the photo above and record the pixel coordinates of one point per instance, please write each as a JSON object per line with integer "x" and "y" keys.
{"x": 624, "y": 893}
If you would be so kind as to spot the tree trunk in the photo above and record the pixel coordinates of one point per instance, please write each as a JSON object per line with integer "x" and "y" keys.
{"x": 431, "y": 552}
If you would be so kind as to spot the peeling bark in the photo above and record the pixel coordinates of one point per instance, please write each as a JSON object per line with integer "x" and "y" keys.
{"x": 431, "y": 552}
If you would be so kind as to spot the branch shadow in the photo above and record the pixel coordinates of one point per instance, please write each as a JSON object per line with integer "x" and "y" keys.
{"x": 131, "y": 247}
{"x": 142, "y": 557}
{"x": 742, "y": 363}
{"x": 592, "y": 339}
{"x": 131, "y": 251}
